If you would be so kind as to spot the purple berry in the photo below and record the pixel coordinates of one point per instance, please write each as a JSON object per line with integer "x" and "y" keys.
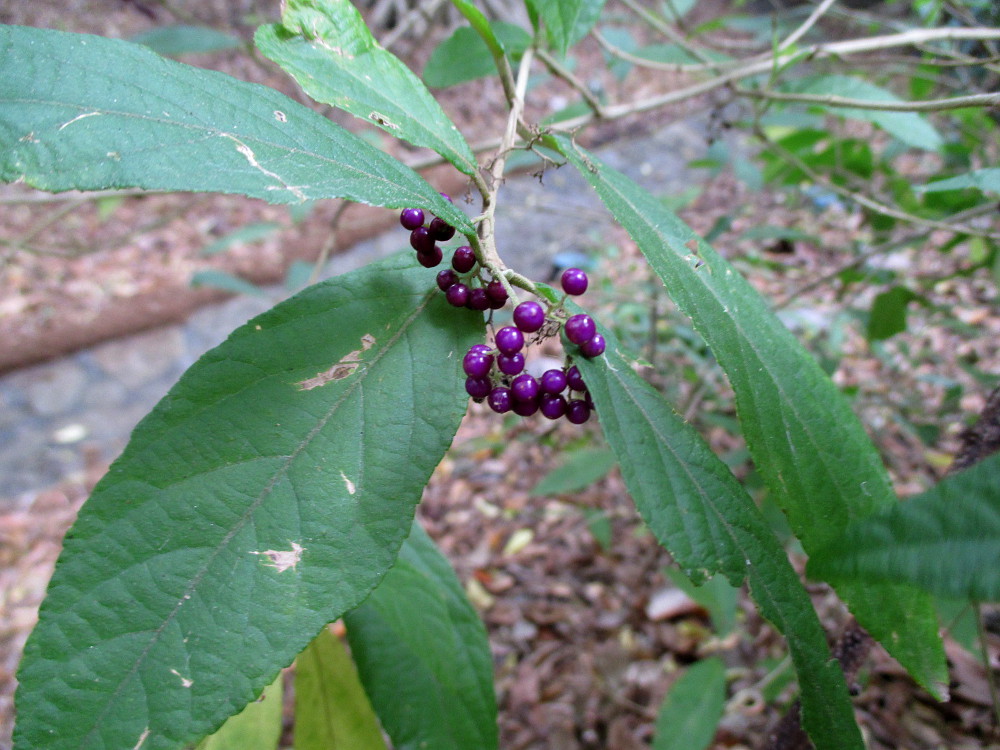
{"x": 553, "y": 381}
{"x": 510, "y": 364}
{"x": 421, "y": 240}
{"x": 411, "y": 218}
{"x": 482, "y": 348}
{"x": 430, "y": 259}
{"x": 525, "y": 408}
{"x": 478, "y": 387}
{"x": 446, "y": 197}
{"x": 551, "y": 405}
{"x": 509, "y": 340}
{"x": 457, "y": 294}
{"x": 574, "y": 379}
{"x": 577, "y": 411}
{"x": 441, "y": 230}
{"x": 574, "y": 281}
{"x": 476, "y": 364}
{"x": 524, "y": 388}
{"x": 500, "y": 400}
{"x": 446, "y": 279}
{"x": 464, "y": 259}
{"x": 478, "y": 299}
{"x": 580, "y": 328}
{"x": 529, "y": 316}
{"x": 497, "y": 294}
{"x": 594, "y": 347}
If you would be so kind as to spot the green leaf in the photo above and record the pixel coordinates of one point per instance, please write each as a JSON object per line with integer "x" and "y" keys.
{"x": 244, "y": 235}
{"x": 87, "y": 113}
{"x": 423, "y": 655}
{"x": 264, "y": 496}
{"x": 691, "y": 711}
{"x": 888, "y": 313}
{"x": 464, "y": 56}
{"x": 332, "y": 711}
{"x": 986, "y": 180}
{"x": 182, "y": 40}
{"x": 256, "y": 727}
{"x": 946, "y": 540}
{"x": 911, "y": 128}
{"x": 807, "y": 444}
{"x": 326, "y": 47}
{"x": 567, "y": 21}
{"x": 580, "y": 469}
{"x": 697, "y": 509}
{"x": 715, "y": 595}
{"x": 216, "y": 278}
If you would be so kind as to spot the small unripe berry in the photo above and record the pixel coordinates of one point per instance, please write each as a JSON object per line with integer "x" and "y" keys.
{"x": 510, "y": 364}
{"x": 421, "y": 240}
{"x": 529, "y": 316}
{"x": 497, "y": 294}
{"x": 577, "y": 411}
{"x": 478, "y": 388}
{"x": 441, "y": 230}
{"x": 446, "y": 279}
{"x": 580, "y": 328}
{"x": 431, "y": 258}
{"x": 574, "y": 281}
{"x": 464, "y": 259}
{"x": 478, "y": 299}
{"x": 411, "y": 218}
{"x": 553, "y": 381}
{"x": 499, "y": 400}
{"x": 457, "y": 294}
{"x": 594, "y": 347}
{"x": 509, "y": 340}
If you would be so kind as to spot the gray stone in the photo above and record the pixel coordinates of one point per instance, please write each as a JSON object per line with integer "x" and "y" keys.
{"x": 54, "y": 388}
{"x": 143, "y": 358}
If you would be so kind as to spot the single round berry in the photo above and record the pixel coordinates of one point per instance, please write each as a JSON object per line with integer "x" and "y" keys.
{"x": 478, "y": 299}
{"x": 510, "y": 364}
{"x": 500, "y": 400}
{"x": 476, "y": 364}
{"x": 464, "y": 259}
{"x": 421, "y": 240}
{"x": 580, "y": 328}
{"x": 478, "y": 388}
{"x": 497, "y": 294}
{"x": 577, "y": 411}
{"x": 441, "y": 230}
{"x": 594, "y": 347}
{"x": 529, "y": 316}
{"x": 551, "y": 405}
{"x": 509, "y": 340}
{"x": 574, "y": 281}
{"x": 525, "y": 408}
{"x": 524, "y": 388}
{"x": 574, "y": 379}
{"x": 431, "y": 258}
{"x": 457, "y": 294}
{"x": 482, "y": 348}
{"x": 553, "y": 381}
{"x": 411, "y": 218}
{"x": 446, "y": 279}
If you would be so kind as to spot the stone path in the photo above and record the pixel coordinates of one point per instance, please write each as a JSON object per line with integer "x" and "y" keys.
{"x": 57, "y": 417}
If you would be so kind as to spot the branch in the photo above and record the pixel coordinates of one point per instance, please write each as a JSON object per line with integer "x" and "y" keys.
{"x": 831, "y": 100}
{"x": 806, "y": 25}
{"x": 560, "y": 71}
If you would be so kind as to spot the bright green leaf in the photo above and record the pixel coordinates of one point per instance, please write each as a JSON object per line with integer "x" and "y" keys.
{"x": 580, "y": 469}
{"x": 806, "y": 442}
{"x": 888, "y": 314}
{"x": 256, "y": 727}
{"x": 697, "y": 509}
{"x": 911, "y": 128}
{"x": 326, "y": 47}
{"x": 87, "y": 113}
{"x": 567, "y": 21}
{"x": 182, "y": 40}
{"x": 691, "y": 711}
{"x": 464, "y": 55}
{"x": 716, "y": 595}
{"x": 946, "y": 540}
{"x": 332, "y": 711}
{"x": 264, "y": 496}
{"x": 423, "y": 654}
{"x": 987, "y": 180}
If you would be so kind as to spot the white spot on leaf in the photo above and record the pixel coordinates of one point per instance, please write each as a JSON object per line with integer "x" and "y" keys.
{"x": 77, "y": 118}
{"x": 350, "y": 485}
{"x": 282, "y": 560}
{"x": 344, "y": 367}
{"x": 280, "y": 116}
{"x": 185, "y": 682}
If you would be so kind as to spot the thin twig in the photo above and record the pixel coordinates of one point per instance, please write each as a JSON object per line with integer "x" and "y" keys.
{"x": 830, "y": 100}
{"x": 645, "y": 62}
{"x": 817, "y": 13}
{"x": 559, "y": 70}
{"x": 670, "y": 32}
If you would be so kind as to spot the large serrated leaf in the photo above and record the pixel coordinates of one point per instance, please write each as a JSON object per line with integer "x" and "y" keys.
{"x": 946, "y": 540}
{"x": 423, "y": 655}
{"x": 808, "y": 445}
{"x": 567, "y": 21}
{"x": 326, "y": 47}
{"x": 700, "y": 513}
{"x": 265, "y": 496}
{"x": 87, "y": 113}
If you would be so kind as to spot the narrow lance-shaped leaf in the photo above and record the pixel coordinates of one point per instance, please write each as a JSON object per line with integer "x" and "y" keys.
{"x": 266, "y": 495}
{"x": 423, "y": 655}
{"x": 87, "y": 113}
{"x": 946, "y": 540}
{"x": 326, "y": 47}
{"x": 808, "y": 445}
{"x": 700, "y": 513}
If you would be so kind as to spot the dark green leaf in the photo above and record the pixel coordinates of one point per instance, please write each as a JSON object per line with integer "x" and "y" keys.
{"x": 697, "y": 510}
{"x": 332, "y": 711}
{"x": 87, "y": 113}
{"x": 464, "y": 55}
{"x": 181, "y": 40}
{"x": 946, "y": 540}
{"x": 567, "y": 21}
{"x": 691, "y": 711}
{"x": 326, "y": 47}
{"x": 806, "y": 442}
{"x": 261, "y": 499}
{"x": 256, "y": 727}
{"x": 888, "y": 313}
{"x": 423, "y": 655}
{"x": 580, "y": 469}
